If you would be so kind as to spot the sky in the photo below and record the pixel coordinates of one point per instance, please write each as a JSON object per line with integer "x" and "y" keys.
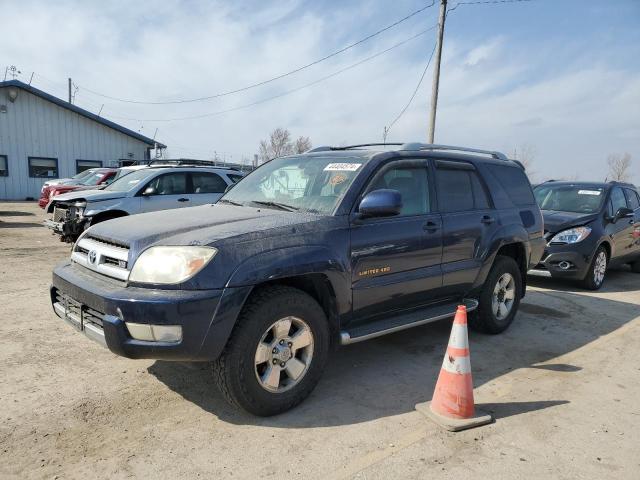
{"x": 559, "y": 78}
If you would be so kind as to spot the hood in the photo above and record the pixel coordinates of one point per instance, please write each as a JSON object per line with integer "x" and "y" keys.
{"x": 555, "y": 221}
{"x": 89, "y": 195}
{"x": 204, "y": 225}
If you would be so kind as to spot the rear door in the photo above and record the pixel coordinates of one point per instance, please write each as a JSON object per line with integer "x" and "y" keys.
{"x": 171, "y": 190}
{"x": 621, "y": 232}
{"x": 207, "y": 187}
{"x": 468, "y": 219}
{"x": 633, "y": 201}
{"x": 395, "y": 261}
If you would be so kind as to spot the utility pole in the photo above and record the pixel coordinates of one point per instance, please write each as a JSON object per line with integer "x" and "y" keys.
{"x": 436, "y": 70}
{"x": 70, "y": 83}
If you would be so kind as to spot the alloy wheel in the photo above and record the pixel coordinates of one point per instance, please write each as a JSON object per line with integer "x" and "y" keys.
{"x": 504, "y": 294}
{"x": 284, "y": 354}
{"x": 599, "y": 268}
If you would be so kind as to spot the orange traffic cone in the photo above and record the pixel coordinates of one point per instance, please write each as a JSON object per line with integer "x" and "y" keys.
{"x": 452, "y": 405}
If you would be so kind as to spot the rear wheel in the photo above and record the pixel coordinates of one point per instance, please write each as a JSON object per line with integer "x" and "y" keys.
{"x": 499, "y": 298}
{"x": 276, "y": 353}
{"x": 597, "y": 270}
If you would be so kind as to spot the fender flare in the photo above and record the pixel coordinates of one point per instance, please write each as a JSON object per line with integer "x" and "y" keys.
{"x": 506, "y": 235}
{"x": 288, "y": 262}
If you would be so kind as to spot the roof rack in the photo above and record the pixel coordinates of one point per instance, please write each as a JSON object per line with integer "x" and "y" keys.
{"x": 432, "y": 146}
{"x": 327, "y": 148}
{"x": 190, "y": 163}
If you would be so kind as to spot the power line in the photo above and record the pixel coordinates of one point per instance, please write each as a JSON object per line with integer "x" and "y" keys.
{"x": 288, "y": 92}
{"x": 273, "y": 79}
{"x": 413, "y": 95}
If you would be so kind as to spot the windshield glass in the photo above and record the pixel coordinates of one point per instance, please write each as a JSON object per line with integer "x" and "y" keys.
{"x": 83, "y": 174}
{"x": 569, "y": 198}
{"x": 93, "y": 179}
{"x": 305, "y": 183}
{"x": 130, "y": 180}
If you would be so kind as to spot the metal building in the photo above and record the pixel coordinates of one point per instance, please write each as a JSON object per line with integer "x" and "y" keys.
{"x": 43, "y": 137}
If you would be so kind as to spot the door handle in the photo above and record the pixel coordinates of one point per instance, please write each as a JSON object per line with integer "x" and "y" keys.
{"x": 183, "y": 199}
{"x": 487, "y": 220}
{"x": 430, "y": 227}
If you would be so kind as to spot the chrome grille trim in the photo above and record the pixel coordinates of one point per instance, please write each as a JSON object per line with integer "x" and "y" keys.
{"x": 108, "y": 257}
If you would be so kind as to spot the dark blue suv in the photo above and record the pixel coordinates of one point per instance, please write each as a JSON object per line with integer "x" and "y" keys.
{"x": 334, "y": 246}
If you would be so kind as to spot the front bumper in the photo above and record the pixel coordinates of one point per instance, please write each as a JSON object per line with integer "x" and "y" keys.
{"x": 578, "y": 256}
{"x": 99, "y": 307}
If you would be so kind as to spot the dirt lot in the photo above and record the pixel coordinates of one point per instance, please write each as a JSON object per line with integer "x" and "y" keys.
{"x": 563, "y": 383}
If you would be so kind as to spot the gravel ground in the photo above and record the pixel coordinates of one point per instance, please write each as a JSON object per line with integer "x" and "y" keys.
{"x": 562, "y": 383}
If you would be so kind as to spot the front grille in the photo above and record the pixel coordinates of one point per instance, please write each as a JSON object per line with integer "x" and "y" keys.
{"x": 105, "y": 257}
{"x": 59, "y": 214}
{"x": 86, "y": 319}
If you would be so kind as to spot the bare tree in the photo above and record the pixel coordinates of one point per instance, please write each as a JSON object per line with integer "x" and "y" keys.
{"x": 302, "y": 145}
{"x": 619, "y": 167}
{"x": 525, "y": 154}
{"x": 279, "y": 144}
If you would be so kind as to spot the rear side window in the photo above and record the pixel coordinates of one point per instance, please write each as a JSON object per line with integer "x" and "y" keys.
{"x": 515, "y": 183}
{"x": 208, "y": 183}
{"x": 460, "y": 190}
{"x": 632, "y": 198}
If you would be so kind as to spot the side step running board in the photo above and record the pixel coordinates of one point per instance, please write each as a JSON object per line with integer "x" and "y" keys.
{"x": 403, "y": 322}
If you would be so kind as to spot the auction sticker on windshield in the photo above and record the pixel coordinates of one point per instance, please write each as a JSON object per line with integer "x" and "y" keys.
{"x": 589, "y": 192}
{"x": 342, "y": 167}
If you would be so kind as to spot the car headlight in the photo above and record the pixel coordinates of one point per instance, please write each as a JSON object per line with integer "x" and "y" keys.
{"x": 167, "y": 265}
{"x": 572, "y": 235}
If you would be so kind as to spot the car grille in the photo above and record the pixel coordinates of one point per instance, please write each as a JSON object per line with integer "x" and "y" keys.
{"x": 76, "y": 311}
{"x": 102, "y": 256}
{"x": 83, "y": 318}
{"x": 59, "y": 214}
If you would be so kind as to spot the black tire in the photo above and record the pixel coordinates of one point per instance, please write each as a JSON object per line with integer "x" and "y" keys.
{"x": 484, "y": 319}
{"x": 235, "y": 370}
{"x": 590, "y": 281}
{"x": 635, "y": 266}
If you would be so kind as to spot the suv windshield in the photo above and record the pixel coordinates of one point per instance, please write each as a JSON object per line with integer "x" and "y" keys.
{"x": 304, "y": 183}
{"x": 130, "y": 180}
{"x": 569, "y": 198}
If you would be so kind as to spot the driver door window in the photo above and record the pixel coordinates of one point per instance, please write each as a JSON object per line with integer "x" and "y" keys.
{"x": 169, "y": 191}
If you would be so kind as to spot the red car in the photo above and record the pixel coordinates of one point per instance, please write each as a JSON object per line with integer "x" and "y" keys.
{"x": 98, "y": 179}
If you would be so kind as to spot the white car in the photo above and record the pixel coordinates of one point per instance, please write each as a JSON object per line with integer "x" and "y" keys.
{"x": 142, "y": 190}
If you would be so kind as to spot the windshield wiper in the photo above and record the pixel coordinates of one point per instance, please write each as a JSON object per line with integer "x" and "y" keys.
{"x": 281, "y": 206}
{"x": 230, "y": 202}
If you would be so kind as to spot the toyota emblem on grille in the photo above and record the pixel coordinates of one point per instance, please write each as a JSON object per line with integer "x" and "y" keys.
{"x": 92, "y": 256}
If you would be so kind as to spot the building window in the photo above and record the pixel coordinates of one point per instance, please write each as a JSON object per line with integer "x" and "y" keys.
{"x": 41, "y": 167}
{"x": 4, "y": 166}
{"x": 82, "y": 165}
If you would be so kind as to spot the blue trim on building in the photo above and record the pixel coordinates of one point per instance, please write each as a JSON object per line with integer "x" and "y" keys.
{"x": 80, "y": 111}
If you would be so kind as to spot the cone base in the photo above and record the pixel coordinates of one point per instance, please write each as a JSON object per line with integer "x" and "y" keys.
{"x": 454, "y": 424}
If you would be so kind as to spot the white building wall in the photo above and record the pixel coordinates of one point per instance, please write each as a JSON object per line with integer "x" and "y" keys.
{"x": 35, "y": 127}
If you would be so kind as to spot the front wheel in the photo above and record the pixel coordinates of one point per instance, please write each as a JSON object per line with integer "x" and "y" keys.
{"x": 499, "y": 298}
{"x": 597, "y": 270}
{"x": 276, "y": 353}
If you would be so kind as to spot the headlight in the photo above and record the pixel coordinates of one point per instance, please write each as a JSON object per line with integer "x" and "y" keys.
{"x": 573, "y": 235}
{"x": 168, "y": 265}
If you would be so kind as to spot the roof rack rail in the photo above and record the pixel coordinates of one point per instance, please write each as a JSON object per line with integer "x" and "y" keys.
{"x": 433, "y": 146}
{"x": 191, "y": 163}
{"x": 328, "y": 148}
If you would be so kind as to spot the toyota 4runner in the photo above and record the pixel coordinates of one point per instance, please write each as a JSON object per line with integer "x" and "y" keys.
{"x": 335, "y": 246}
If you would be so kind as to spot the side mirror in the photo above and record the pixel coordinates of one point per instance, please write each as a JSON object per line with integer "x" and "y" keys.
{"x": 149, "y": 191}
{"x": 623, "y": 212}
{"x": 381, "y": 203}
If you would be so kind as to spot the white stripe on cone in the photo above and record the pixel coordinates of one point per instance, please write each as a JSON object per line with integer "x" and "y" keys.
{"x": 457, "y": 365}
{"x": 459, "y": 338}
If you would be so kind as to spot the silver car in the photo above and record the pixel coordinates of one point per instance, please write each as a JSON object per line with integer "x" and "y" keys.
{"x": 143, "y": 190}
